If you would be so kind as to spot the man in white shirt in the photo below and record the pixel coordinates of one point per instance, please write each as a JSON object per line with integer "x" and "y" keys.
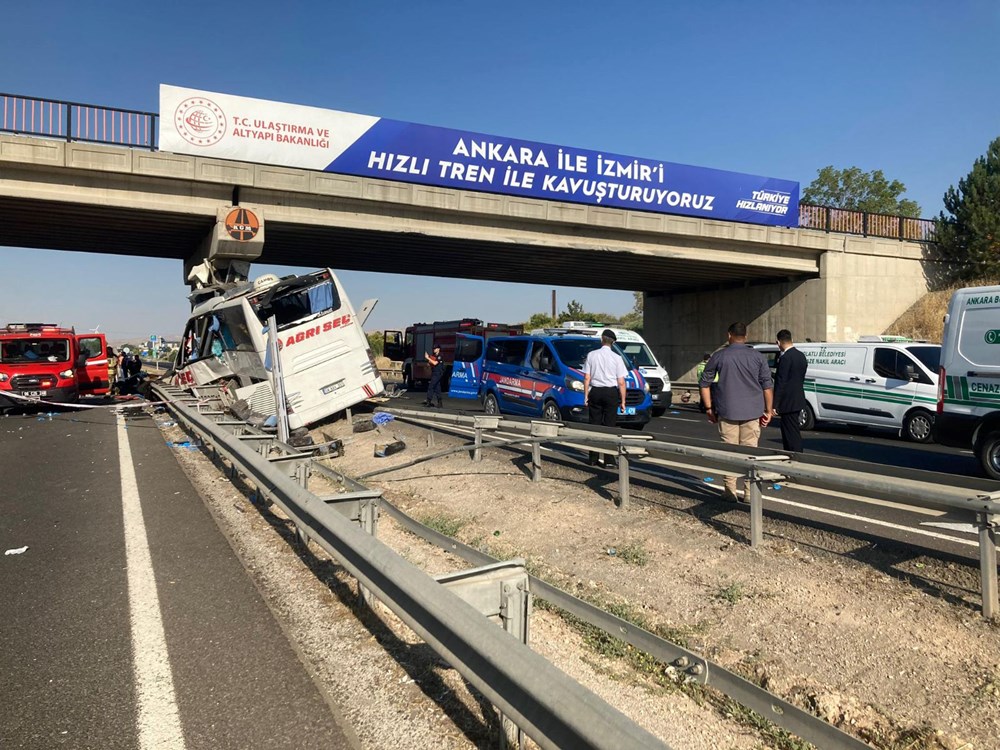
{"x": 604, "y": 385}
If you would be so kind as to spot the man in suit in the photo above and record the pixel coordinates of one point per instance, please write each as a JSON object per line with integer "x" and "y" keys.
{"x": 789, "y": 395}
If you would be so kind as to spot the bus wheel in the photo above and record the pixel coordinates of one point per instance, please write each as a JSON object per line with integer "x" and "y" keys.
{"x": 550, "y": 412}
{"x": 807, "y": 419}
{"x": 917, "y": 426}
{"x": 490, "y": 405}
{"x": 989, "y": 455}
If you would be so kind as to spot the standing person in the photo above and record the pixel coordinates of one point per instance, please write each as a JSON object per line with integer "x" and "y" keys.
{"x": 740, "y": 402}
{"x": 604, "y": 376}
{"x": 789, "y": 393}
{"x": 112, "y": 367}
{"x": 437, "y": 375}
{"x": 698, "y": 372}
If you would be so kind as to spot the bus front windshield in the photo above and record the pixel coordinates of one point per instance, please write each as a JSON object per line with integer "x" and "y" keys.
{"x": 297, "y": 305}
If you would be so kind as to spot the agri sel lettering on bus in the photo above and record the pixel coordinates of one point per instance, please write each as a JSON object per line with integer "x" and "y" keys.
{"x": 342, "y": 322}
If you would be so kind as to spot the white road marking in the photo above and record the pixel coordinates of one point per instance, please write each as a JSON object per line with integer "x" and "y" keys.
{"x": 159, "y": 721}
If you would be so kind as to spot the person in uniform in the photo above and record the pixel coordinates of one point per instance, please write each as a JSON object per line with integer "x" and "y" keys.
{"x": 604, "y": 376}
{"x": 437, "y": 375}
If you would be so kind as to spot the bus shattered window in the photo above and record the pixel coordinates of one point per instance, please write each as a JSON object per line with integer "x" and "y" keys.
{"x": 296, "y": 304}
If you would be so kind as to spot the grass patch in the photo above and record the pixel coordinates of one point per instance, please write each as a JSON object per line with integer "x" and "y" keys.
{"x": 443, "y": 523}
{"x": 634, "y": 553}
{"x": 731, "y": 593}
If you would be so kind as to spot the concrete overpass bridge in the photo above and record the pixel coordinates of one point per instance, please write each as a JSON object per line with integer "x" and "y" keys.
{"x": 698, "y": 275}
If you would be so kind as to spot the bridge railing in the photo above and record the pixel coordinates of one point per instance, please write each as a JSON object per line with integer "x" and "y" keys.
{"x": 73, "y": 121}
{"x": 846, "y": 221}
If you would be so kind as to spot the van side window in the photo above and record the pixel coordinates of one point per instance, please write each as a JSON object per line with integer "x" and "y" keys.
{"x": 468, "y": 350}
{"x": 890, "y": 363}
{"x": 542, "y": 358}
{"x": 514, "y": 351}
{"x": 494, "y": 351}
{"x": 91, "y": 347}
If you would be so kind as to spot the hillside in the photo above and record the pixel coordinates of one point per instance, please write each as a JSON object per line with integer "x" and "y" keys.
{"x": 924, "y": 320}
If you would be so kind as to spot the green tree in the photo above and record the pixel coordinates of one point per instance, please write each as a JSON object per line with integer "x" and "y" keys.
{"x": 574, "y": 311}
{"x": 969, "y": 234}
{"x": 376, "y": 340}
{"x": 859, "y": 191}
{"x": 539, "y": 320}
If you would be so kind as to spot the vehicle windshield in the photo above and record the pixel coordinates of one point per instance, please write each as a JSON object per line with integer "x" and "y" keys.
{"x": 929, "y": 356}
{"x": 573, "y": 352}
{"x": 298, "y": 305}
{"x": 638, "y": 353}
{"x": 21, "y": 351}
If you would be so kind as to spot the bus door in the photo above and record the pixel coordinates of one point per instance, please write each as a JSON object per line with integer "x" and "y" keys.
{"x": 467, "y": 369}
{"x": 92, "y": 365}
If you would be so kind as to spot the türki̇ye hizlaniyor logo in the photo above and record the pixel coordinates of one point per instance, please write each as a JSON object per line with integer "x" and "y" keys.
{"x": 200, "y": 121}
{"x": 242, "y": 225}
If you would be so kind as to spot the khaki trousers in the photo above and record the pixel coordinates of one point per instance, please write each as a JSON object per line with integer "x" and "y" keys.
{"x": 738, "y": 433}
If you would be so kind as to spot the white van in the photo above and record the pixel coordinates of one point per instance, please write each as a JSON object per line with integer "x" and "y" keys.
{"x": 637, "y": 350}
{"x": 881, "y": 383}
{"x": 969, "y": 386}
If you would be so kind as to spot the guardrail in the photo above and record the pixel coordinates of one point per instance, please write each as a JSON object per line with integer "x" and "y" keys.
{"x": 74, "y": 121}
{"x": 979, "y": 509}
{"x": 554, "y": 710}
{"x": 306, "y": 511}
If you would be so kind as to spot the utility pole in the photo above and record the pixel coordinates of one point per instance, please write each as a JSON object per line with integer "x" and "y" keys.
{"x": 553, "y": 304}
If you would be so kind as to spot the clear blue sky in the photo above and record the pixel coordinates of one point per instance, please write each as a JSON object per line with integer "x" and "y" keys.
{"x": 778, "y": 89}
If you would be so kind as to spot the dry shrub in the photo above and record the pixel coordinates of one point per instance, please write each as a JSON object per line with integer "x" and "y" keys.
{"x": 924, "y": 321}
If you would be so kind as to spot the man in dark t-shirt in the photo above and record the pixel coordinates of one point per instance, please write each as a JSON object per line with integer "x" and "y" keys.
{"x": 437, "y": 375}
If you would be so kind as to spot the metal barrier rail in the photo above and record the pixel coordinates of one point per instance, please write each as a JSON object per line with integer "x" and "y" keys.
{"x": 694, "y": 666}
{"x": 554, "y": 710}
{"x": 73, "y": 121}
{"x": 847, "y": 221}
{"x": 977, "y": 508}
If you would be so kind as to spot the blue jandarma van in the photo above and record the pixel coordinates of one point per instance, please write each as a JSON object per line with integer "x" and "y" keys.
{"x": 539, "y": 376}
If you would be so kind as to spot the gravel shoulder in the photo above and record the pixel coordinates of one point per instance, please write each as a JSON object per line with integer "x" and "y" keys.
{"x": 886, "y": 644}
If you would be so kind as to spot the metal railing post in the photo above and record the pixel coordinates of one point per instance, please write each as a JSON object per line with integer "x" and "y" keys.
{"x": 623, "y": 479}
{"x": 988, "y": 563}
{"x": 536, "y": 461}
{"x": 756, "y": 491}
{"x": 477, "y": 452}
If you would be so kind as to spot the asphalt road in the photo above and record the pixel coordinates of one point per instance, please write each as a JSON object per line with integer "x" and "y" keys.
{"x": 97, "y": 653}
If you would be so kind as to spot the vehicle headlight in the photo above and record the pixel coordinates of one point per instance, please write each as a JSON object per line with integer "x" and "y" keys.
{"x": 4, "y": 377}
{"x": 574, "y": 385}
{"x": 66, "y": 374}
{"x": 645, "y": 386}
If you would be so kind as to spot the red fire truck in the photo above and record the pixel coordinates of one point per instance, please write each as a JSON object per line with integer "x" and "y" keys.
{"x": 53, "y": 364}
{"x": 412, "y": 346}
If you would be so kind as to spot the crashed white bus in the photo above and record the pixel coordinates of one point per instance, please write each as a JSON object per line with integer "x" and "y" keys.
{"x": 325, "y": 360}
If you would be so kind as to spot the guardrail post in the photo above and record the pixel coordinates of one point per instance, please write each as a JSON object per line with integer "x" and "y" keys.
{"x": 623, "y": 483}
{"x": 480, "y": 424}
{"x": 540, "y": 429}
{"x": 756, "y": 491}
{"x": 988, "y": 563}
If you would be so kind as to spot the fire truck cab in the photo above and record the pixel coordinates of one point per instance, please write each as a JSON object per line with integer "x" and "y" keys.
{"x": 46, "y": 362}
{"x": 412, "y": 345}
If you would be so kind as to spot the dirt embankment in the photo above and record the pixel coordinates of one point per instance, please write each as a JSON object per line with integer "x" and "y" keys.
{"x": 884, "y": 643}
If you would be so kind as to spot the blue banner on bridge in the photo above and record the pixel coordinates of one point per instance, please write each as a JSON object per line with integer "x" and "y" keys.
{"x": 451, "y": 158}
{"x": 254, "y": 130}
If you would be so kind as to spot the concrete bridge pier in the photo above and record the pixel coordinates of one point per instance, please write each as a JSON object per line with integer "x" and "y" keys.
{"x": 862, "y": 288}
{"x": 224, "y": 256}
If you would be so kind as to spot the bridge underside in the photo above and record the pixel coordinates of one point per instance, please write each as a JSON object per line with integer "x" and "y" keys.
{"x": 60, "y": 225}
